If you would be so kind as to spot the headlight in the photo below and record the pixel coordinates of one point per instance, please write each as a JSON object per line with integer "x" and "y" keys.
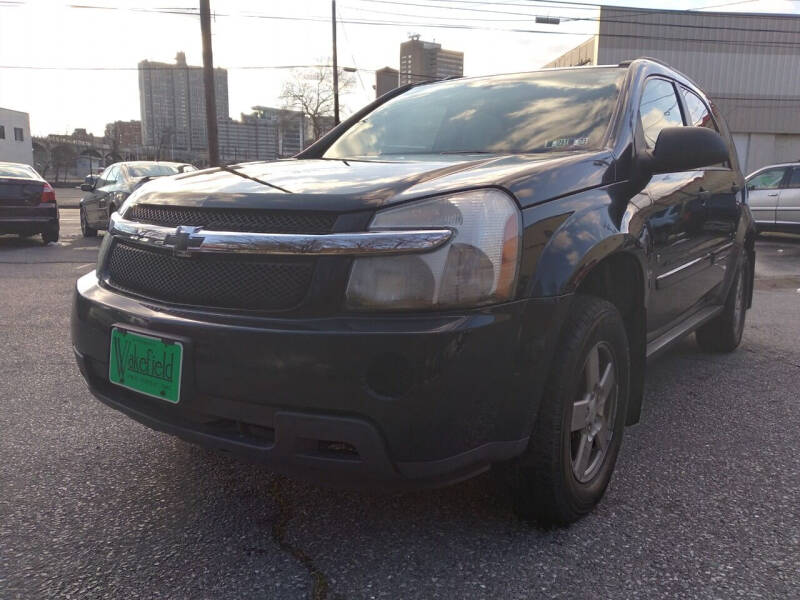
{"x": 477, "y": 266}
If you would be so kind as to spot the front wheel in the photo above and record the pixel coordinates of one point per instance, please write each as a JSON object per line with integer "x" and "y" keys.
{"x": 573, "y": 449}
{"x": 724, "y": 332}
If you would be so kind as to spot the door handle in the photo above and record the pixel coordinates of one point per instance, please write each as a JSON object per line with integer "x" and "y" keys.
{"x": 773, "y": 195}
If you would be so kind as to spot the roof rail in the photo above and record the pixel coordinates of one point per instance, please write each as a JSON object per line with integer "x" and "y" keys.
{"x": 627, "y": 63}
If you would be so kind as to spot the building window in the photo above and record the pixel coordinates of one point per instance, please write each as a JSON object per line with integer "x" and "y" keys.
{"x": 18, "y": 134}
{"x": 2, "y": 132}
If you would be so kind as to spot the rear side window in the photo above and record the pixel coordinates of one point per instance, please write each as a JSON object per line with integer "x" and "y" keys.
{"x": 794, "y": 179}
{"x": 698, "y": 115}
{"x": 767, "y": 180}
{"x": 658, "y": 109}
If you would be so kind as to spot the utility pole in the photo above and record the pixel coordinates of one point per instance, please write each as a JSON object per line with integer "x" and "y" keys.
{"x": 208, "y": 84}
{"x": 335, "y": 67}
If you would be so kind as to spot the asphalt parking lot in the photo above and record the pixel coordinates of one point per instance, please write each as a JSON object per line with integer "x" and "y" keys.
{"x": 704, "y": 502}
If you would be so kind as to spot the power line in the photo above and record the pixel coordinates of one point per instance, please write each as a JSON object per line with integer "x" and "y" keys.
{"x": 635, "y": 13}
{"x": 373, "y": 22}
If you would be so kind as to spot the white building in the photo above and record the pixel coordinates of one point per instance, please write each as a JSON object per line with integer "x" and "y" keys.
{"x": 748, "y": 64}
{"x": 15, "y": 137}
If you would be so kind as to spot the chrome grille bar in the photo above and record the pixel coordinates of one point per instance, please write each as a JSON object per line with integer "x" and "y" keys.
{"x": 186, "y": 241}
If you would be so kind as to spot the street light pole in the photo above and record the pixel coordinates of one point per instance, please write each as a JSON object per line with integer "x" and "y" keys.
{"x": 335, "y": 67}
{"x": 208, "y": 84}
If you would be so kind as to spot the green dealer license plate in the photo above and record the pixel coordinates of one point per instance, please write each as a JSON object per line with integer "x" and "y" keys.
{"x": 146, "y": 364}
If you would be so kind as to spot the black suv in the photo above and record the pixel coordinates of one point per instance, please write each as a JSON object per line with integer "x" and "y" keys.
{"x": 465, "y": 273}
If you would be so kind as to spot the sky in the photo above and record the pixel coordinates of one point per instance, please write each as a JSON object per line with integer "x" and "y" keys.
{"x": 73, "y": 64}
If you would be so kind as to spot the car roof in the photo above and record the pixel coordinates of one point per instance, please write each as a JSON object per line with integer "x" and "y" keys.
{"x": 776, "y": 165}
{"x": 143, "y": 163}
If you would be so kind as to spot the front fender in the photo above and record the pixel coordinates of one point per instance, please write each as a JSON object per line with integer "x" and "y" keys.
{"x": 566, "y": 238}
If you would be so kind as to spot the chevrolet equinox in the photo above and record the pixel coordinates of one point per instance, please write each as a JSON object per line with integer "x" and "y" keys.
{"x": 464, "y": 274}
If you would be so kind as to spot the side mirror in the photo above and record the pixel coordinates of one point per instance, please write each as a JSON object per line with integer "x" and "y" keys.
{"x": 88, "y": 183}
{"x": 685, "y": 148}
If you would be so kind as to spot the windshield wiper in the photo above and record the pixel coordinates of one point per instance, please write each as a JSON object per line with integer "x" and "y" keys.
{"x": 467, "y": 152}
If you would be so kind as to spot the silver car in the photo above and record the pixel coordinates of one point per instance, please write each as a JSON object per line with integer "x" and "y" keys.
{"x": 774, "y": 197}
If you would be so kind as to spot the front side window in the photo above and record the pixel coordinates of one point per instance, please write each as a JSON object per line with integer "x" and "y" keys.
{"x": 18, "y": 135}
{"x": 548, "y": 111}
{"x": 658, "y": 109}
{"x": 113, "y": 175}
{"x": 767, "y": 180}
{"x": 103, "y": 179}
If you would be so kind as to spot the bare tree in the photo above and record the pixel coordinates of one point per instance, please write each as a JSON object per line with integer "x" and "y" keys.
{"x": 310, "y": 90}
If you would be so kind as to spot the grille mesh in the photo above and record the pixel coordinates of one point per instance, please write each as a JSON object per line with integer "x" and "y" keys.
{"x": 213, "y": 281}
{"x": 225, "y": 219}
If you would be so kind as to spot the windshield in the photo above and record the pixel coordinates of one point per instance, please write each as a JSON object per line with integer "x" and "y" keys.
{"x": 136, "y": 171}
{"x": 530, "y": 112}
{"x": 21, "y": 171}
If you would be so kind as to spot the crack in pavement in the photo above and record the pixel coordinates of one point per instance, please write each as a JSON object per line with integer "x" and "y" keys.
{"x": 320, "y": 585}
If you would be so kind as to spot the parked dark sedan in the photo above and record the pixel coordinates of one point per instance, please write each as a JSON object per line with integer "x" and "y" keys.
{"x": 465, "y": 273}
{"x": 107, "y": 192}
{"x": 27, "y": 203}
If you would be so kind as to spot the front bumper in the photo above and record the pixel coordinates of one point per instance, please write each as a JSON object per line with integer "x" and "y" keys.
{"x": 420, "y": 399}
{"x": 28, "y": 219}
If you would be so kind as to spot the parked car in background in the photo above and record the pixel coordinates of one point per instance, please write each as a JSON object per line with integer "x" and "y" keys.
{"x": 464, "y": 274}
{"x": 27, "y": 203}
{"x": 107, "y": 192}
{"x": 774, "y": 197}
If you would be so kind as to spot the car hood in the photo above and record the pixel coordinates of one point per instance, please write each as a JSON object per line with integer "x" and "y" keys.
{"x": 347, "y": 185}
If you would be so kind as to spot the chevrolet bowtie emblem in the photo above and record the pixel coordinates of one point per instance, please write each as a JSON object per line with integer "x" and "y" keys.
{"x": 184, "y": 238}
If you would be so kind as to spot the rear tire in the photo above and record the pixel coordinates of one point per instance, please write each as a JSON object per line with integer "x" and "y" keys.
{"x": 574, "y": 445}
{"x": 724, "y": 332}
{"x": 85, "y": 229}
{"x": 49, "y": 236}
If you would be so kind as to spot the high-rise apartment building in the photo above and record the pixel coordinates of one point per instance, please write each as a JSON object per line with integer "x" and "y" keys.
{"x": 172, "y": 104}
{"x": 421, "y": 61}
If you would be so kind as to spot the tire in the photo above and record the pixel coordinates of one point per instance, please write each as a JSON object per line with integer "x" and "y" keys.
{"x": 85, "y": 229}
{"x": 574, "y": 445}
{"x": 49, "y": 236}
{"x": 724, "y": 332}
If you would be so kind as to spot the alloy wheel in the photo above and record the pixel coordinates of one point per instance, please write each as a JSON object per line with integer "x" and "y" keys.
{"x": 593, "y": 413}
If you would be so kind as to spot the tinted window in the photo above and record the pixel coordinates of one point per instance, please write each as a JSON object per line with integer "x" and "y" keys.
{"x": 794, "y": 180}
{"x": 659, "y": 109}
{"x": 136, "y": 171}
{"x": 767, "y": 180}
{"x": 18, "y": 136}
{"x": 18, "y": 171}
{"x": 698, "y": 113}
{"x": 531, "y": 112}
